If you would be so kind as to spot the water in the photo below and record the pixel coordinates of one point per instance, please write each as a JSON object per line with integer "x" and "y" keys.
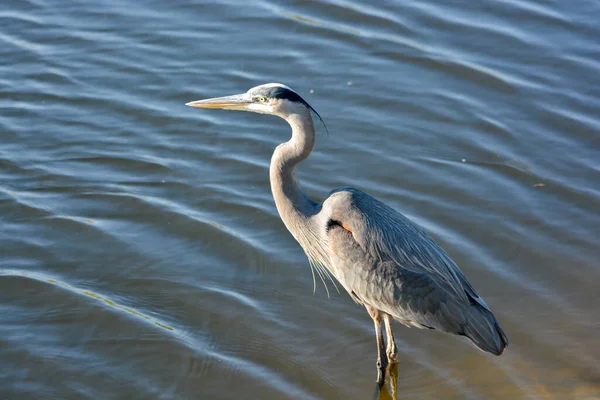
{"x": 141, "y": 252}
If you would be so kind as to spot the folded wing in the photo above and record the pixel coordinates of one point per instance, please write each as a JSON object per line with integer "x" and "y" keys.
{"x": 386, "y": 261}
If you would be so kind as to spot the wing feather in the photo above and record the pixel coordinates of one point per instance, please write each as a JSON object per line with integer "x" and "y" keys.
{"x": 386, "y": 235}
{"x": 386, "y": 261}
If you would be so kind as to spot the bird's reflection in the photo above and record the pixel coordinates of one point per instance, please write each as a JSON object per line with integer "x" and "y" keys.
{"x": 387, "y": 383}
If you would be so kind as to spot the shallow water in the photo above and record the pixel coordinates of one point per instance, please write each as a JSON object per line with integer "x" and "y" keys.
{"x": 142, "y": 255}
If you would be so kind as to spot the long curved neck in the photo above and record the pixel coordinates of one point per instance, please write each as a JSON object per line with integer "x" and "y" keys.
{"x": 293, "y": 205}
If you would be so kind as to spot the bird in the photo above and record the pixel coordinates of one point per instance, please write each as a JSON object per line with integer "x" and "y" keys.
{"x": 386, "y": 262}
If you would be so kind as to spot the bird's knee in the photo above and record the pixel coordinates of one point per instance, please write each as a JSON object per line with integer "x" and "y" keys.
{"x": 374, "y": 313}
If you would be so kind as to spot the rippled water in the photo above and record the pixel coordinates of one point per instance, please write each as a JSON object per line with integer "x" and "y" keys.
{"x": 141, "y": 252}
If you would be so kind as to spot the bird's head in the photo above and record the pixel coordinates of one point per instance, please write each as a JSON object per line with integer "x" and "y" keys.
{"x": 270, "y": 98}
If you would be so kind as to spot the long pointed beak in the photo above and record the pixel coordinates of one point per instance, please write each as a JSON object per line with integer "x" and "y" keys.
{"x": 235, "y": 102}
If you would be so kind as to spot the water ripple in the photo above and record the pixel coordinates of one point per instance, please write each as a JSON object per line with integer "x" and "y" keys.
{"x": 105, "y": 301}
{"x": 140, "y": 247}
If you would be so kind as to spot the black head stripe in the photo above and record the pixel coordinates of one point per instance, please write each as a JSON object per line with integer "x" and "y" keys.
{"x": 283, "y": 93}
{"x": 278, "y": 92}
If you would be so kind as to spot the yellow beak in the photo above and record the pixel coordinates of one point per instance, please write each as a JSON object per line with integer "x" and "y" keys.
{"x": 235, "y": 102}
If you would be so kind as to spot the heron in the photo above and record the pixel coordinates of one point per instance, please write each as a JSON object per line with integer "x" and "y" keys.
{"x": 386, "y": 262}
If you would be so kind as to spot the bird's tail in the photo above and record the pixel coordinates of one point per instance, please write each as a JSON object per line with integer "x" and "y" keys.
{"x": 483, "y": 329}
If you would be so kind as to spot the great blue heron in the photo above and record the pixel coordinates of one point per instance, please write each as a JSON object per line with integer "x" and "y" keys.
{"x": 385, "y": 262}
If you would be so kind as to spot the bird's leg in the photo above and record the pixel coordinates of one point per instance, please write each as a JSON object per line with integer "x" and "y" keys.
{"x": 381, "y": 360}
{"x": 392, "y": 350}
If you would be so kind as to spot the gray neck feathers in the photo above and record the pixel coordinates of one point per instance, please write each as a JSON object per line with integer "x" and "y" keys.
{"x": 298, "y": 212}
{"x": 293, "y": 205}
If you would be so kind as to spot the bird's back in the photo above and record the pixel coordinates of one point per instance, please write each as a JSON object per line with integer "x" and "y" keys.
{"x": 387, "y": 262}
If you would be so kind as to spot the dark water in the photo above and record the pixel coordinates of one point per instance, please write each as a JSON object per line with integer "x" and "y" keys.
{"x": 141, "y": 255}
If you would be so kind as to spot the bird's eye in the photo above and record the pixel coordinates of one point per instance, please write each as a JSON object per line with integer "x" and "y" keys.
{"x": 262, "y": 99}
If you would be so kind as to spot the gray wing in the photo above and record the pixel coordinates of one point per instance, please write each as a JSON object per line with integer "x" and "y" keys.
{"x": 390, "y": 263}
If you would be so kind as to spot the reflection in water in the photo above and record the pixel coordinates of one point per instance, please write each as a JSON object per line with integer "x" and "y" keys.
{"x": 387, "y": 390}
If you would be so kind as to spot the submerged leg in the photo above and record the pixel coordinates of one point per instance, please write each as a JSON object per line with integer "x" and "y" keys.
{"x": 381, "y": 360}
{"x": 392, "y": 350}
